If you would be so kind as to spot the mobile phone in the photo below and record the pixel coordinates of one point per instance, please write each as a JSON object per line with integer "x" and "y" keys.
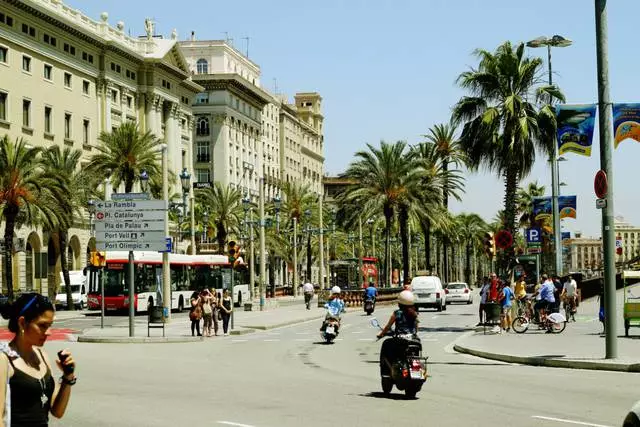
{"x": 66, "y": 369}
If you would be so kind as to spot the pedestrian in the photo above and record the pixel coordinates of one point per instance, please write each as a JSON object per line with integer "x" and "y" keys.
{"x": 484, "y": 293}
{"x": 215, "y": 306}
{"x": 226, "y": 308}
{"x": 207, "y": 312}
{"x": 507, "y": 298}
{"x": 493, "y": 289}
{"x": 307, "y": 289}
{"x": 195, "y": 313}
{"x": 31, "y": 392}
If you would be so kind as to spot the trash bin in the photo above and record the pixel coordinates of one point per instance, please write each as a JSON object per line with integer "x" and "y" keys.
{"x": 248, "y": 306}
{"x": 156, "y": 314}
{"x": 492, "y": 311}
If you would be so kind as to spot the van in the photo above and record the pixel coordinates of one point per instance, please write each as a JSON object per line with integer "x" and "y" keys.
{"x": 429, "y": 293}
{"x": 78, "y": 290}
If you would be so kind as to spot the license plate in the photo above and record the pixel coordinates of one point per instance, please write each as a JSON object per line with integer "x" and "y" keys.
{"x": 416, "y": 374}
{"x": 330, "y": 330}
{"x": 425, "y": 295}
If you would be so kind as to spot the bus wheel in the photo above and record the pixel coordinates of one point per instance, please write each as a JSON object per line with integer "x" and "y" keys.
{"x": 239, "y": 299}
{"x": 180, "y": 305}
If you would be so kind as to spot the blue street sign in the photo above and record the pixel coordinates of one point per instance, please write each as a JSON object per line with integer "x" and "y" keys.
{"x": 168, "y": 246}
{"x": 533, "y": 235}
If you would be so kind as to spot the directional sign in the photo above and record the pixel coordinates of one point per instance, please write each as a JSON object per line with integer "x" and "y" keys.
{"x": 533, "y": 235}
{"x": 158, "y": 245}
{"x": 129, "y": 226}
{"x": 131, "y": 196}
{"x": 116, "y": 215}
{"x": 145, "y": 205}
{"x": 134, "y": 235}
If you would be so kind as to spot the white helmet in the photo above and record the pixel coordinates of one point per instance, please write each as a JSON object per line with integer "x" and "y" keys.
{"x": 335, "y": 290}
{"x": 406, "y": 298}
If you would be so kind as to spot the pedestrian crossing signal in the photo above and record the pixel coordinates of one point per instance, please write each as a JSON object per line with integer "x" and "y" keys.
{"x": 489, "y": 244}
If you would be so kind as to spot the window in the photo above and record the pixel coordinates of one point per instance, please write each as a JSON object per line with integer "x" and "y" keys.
{"x": 85, "y": 131}
{"x": 114, "y": 95}
{"x": 67, "y": 80}
{"x": 202, "y": 152}
{"x": 26, "y": 63}
{"x": 49, "y": 40}
{"x": 85, "y": 87}
{"x": 6, "y": 19}
{"x": 29, "y": 30}
{"x": 67, "y": 125}
{"x": 87, "y": 57}
{"x": 166, "y": 84}
{"x": 202, "y": 66}
{"x": 202, "y": 175}
{"x": 4, "y": 54}
{"x": 71, "y": 50}
{"x": 202, "y": 128}
{"x": 48, "y": 72}
{"x": 26, "y": 113}
{"x": 115, "y": 68}
{"x": 47, "y": 119}
{"x": 3, "y": 106}
{"x": 129, "y": 101}
{"x": 130, "y": 74}
{"x": 202, "y": 98}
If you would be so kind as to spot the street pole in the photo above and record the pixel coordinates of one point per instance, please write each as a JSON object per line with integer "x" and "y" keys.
{"x": 103, "y": 278}
{"x": 321, "y": 231}
{"x": 262, "y": 244}
{"x": 554, "y": 188}
{"x": 193, "y": 223}
{"x": 608, "y": 237}
{"x": 360, "y": 253}
{"x": 166, "y": 272}
{"x": 295, "y": 256}
{"x": 252, "y": 263}
{"x": 132, "y": 296}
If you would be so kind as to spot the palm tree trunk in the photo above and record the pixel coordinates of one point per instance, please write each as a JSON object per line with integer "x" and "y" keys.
{"x": 404, "y": 236}
{"x": 454, "y": 264}
{"x": 309, "y": 257}
{"x": 445, "y": 203}
{"x": 511, "y": 179}
{"x": 272, "y": 274}
{"x": 62, "y": 242}
{"x": 426, "y": 232}
{"x": 438, "y": 271}
{"x": 467, "y": 270}
{"x": 388, "y": 216}
{"x": 221, "y": 237}
{"x": 10, "y": 213}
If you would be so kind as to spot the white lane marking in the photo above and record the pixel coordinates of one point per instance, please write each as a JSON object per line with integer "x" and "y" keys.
{"x": 231, "y": 423}
{"x": 304, "y": 333}
{"x": 357, "y": 332}
{"x": 239, "y": 340}
{"x": 435, "y": 317}
{"x": 429, "y": 339}
{"x": 449, "y": 347}
{"x": 273, "y": 333}
{"x": 274, "y": 340}
{"x": 303, "y": 339}
{"x": 339, "y": 339}
{"x": 561, "y": 420}
{"x": 366, "y": 339}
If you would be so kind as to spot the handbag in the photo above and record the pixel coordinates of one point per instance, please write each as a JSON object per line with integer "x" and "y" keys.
{"x": 196, "y": 313}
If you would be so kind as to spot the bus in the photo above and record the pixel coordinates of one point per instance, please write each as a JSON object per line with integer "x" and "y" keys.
{"x": 189, "y": 273}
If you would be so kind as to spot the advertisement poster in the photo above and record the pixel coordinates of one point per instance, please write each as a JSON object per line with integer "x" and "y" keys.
{"x": 575, "y": 128}
{"x": 626, "y": 123}
{"x": 567, "y": 205}
{"x": 542, "y": 207}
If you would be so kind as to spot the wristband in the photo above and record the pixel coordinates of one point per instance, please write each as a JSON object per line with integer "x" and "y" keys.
{"x": 63, "y": 380}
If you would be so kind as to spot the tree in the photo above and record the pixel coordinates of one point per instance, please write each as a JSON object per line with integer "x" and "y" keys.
{"x": 502, "y": 127}
{"x": 296, "y": 200}
{"x": 524, "y": 201}
{"x": 471, "y": 228}
{"x": 224, "y": 205}
{"x": 65, "y": 164}
{"x": 29, "y": 194}
{"x": 124, "y": 153}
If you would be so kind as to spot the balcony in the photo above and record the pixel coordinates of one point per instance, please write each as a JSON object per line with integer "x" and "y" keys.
{"x": 203, "y": 158}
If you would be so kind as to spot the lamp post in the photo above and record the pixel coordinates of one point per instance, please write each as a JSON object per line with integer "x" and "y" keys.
{"x": 295, "y": 256}
{"x": 373, "y": 243}
{"x": 277, "y": 203}
{"x": 185, "y": 180}
{"x": 262, "y": 242}
{"x": 549, "y": 42}
{"x": 307, "y": 215}
{"x": 246, "y": 204}
{"x": 205, "y": 225}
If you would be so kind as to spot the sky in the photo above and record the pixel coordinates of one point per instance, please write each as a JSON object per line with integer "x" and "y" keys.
{"x": 386, "y": 70}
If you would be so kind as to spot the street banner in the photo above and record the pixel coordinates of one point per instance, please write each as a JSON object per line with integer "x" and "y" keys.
{"x": 542, "y": 207}
{"x": 575, "y": 128}
{"x": 566, "y": 235}
{"x": 567, "y": 205}
{"x": 626, "y": 123}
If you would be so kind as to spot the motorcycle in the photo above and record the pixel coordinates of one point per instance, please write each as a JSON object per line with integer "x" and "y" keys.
{"x": 369, "y": 305}
{"x": 330, "y": 327}
{"x": 408, "y": 370}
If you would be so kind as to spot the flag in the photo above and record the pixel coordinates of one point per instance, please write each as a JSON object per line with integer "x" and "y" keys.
{"x": 626, "y": 123}
{"x": 575, "y": 128}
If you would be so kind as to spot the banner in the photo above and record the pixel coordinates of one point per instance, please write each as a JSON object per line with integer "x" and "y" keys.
{"x": 566, "y": 235}
{"x": 575, "y": 128}
{"x": 542, "y": 207}
{"x": 626, "y": 123}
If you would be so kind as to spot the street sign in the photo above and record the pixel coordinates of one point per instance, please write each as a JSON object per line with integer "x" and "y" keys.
{"x": 101, "y": 226}
{"x": 117, "y": 215}
{"x": 534, "y": 250}
{"x": 134, "y": 235}
{"x": 601, "y": 203}
{"x": 168, "y": 245}
{"x": 601, "y": 184}
{"x": 131, "y": 196}
{"x": 197, "y": 185}
{"x": 504, "y": 239}
{"x": 144, "y": 205}
{"x": 157, "y": 246}
{"x": 533, "y": 235}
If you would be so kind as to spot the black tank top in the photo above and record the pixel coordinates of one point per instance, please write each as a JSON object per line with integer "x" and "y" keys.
{"x": 26, "y": 397}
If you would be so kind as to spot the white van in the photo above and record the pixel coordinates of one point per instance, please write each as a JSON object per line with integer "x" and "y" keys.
{"x": 78, "y": 290}
{"x": 429, "y": 293}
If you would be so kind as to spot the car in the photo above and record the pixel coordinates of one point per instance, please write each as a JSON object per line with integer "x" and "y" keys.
{"x": 429, "y": 292}
{"x": 633, "y": 417}
{"x": 78, "y": 290}
{"x": 458, "y": 292}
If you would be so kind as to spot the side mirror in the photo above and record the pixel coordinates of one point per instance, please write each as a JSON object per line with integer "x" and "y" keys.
{"x": 375, "y": 323}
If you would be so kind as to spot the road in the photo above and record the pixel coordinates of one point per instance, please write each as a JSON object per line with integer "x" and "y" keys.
{"x": 285, "y": 377}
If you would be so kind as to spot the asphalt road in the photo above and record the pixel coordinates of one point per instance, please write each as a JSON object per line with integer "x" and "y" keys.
{"x": 285, "y": 377}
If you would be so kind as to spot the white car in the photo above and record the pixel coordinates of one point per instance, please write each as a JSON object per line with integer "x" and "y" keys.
{"x": 458, "y": 292}
{"x": 78, "y": 291}
{"x": 429, "y": 293}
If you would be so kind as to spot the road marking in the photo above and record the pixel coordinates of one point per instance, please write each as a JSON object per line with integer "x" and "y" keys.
{"x": 561, "y": 420}
{"x": 231, "y": 423}
{"x": 239, "y": 340}
{"x": 435, "y": 317}
{"x": 449, "y": 347}
{"x": 304, "y": 333}
{"x": 430, "y": 339}
{"x": 357, "y": 332}
{"x": 274, "y": 340}
{"x": 366, "y": 339}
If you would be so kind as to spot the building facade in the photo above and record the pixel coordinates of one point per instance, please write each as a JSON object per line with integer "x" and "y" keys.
{"x": 627, "y": 238}
{"x": 583, "y": 254}
{"x": 64, "y": 79}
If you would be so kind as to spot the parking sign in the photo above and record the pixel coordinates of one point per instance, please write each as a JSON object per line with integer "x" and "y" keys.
{"x": 533, "y": 235}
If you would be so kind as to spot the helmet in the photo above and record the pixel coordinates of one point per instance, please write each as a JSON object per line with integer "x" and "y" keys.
{"x": 335, "y": 290}
{"x": 406, "y": 298}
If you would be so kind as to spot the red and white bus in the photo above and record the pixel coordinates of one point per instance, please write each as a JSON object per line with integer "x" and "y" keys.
{"x": 189, "y": 273}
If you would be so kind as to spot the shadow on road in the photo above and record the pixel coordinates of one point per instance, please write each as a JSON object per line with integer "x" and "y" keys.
{"x": 391, "y": 396}
{"x": 447, "y": 329}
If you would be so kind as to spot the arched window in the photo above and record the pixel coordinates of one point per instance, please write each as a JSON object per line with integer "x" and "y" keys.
{"x": 202, "y": 66}
{"x": 202, "y": 128}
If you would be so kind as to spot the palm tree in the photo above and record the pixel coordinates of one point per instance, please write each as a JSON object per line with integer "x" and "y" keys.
{"x": 471, "y": 228}
{"x": 448, "y": 151}
{"x": 296, "y": 200}
{"x": 502, "y": 128}
{"x": 124, "y": 153}
{"x": 81, "y": 186}
{"x": 28, "y": 194}
{"x": 524, "y": 200}
{"x": 224, "y": 205}
{"x": 384, "y": 179}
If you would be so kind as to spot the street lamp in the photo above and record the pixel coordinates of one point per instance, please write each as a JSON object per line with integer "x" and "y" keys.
{"x": 205, "y": 225}
{"x": 549, "y": 42}
{"x": 144, "y": 181}
{"x": 246, "y": 206}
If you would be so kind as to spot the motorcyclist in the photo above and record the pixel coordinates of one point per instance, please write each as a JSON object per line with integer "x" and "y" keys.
{"x": 371, "y": 292}
{"x": 335, "y": 306}
{"x": 406, "y": 322}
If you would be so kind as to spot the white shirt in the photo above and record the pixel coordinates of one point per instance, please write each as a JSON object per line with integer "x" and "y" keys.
{"x": 307, "y": 288}
{"x": 570, "y": 288}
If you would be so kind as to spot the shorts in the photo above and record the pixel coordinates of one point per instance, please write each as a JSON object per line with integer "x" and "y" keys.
{"x": 506, "y": 310}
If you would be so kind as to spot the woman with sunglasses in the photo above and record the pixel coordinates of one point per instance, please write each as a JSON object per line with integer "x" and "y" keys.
{"x": 32, "y": 393}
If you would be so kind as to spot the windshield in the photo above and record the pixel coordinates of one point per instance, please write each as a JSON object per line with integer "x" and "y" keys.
{"x": 456, "y": 286}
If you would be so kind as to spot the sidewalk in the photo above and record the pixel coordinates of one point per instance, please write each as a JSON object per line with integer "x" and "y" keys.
{"x": 273, "y": 316}
{"x": 580, "y": 346}
{"x": 60, "y": 315}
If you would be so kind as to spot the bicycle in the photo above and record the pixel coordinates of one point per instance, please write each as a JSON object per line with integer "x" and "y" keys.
{"x": 570, "y": 308}
{"x": 552, "y": 322}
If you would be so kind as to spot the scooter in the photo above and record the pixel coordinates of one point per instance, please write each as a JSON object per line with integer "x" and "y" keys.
{"x": 329, "y": 330}
{"x": 408, "y": 371}
{"x": 369, "y": 305}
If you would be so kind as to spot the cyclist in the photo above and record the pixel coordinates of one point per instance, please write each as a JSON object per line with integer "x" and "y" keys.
{"x": 569, "y": 294}
{"x": 547, "y": 299}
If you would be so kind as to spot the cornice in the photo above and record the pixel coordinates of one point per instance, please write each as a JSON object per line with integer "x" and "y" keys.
{"x": 234, "y": 83}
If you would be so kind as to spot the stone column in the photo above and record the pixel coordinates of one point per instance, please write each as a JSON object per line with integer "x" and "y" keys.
{"x": 107, "y": 114}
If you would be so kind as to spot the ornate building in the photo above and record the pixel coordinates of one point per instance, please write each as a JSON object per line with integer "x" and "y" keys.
{"x": 64, "y": 79}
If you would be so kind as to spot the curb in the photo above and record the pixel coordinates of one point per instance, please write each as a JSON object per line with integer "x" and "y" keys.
{"x": 137, "y": 340}
{"x": 551, "y": 363}
{"x": 281, "y": 324}
{"x": 241, "y": 331}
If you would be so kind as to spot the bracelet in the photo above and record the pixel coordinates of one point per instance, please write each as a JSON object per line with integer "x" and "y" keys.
{"x": 63, "y": 380}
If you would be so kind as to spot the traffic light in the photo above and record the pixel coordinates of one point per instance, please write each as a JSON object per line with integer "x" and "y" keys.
{"x": 489, "y": 244}
{"x": 98, "y": 259}
{"x": 232, "y": 251}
